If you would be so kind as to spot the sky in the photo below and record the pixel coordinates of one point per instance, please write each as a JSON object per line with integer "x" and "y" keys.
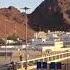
{"x": 32, "y": 4}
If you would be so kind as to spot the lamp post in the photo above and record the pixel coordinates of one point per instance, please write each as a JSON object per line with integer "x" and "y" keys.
{"x": 26, "y": 20}
{"x": 5, "y": 41}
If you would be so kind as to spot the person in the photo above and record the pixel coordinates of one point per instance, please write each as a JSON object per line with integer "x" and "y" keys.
{"x": 20, "y": 57}
{"x": 13, "y": 65}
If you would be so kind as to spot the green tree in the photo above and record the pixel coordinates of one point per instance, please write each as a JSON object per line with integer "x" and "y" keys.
{"x": 2, "y": 42}
{"x": 12, "y": 37}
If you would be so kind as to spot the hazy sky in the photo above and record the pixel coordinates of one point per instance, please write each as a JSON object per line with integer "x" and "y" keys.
{"x": 21, "y": 3}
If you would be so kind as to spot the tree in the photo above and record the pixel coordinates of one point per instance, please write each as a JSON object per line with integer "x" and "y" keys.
{"x": 2, "y": 42}
{"x": 13, "y": 37}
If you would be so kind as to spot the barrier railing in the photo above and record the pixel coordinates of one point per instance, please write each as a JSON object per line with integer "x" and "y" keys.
{"x": 53, "y": 58}
{"x": 33, "y": 62}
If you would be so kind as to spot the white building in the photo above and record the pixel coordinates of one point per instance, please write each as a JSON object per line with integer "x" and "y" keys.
{"x": 40, "y": 34}
{"x": 54, "y": 41}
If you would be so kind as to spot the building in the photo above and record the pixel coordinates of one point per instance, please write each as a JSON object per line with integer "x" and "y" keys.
{"x": 54, "y": 41}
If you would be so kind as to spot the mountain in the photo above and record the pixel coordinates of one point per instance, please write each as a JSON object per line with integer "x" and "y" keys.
{"x": 50, "y": 15}
{"x": 65, "y": 8}
{"x": 12, "y": 22}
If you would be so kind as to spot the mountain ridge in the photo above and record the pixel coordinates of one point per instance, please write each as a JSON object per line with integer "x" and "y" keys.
{"x": 12, "y": 21}
{"x": 48, "y": 16}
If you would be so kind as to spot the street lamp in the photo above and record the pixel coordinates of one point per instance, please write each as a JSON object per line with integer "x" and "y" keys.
{"x": 26, "y": 20}
{"x": 5, "y": 41}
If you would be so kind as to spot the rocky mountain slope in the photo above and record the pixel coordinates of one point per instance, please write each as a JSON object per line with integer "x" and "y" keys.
{"x": 65, "y": 8}
{"x": 50, "y": 14}
{"x": 13, "y": 22}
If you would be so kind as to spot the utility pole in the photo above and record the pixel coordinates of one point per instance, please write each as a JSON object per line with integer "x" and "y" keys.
{"x": 26, "y": 21}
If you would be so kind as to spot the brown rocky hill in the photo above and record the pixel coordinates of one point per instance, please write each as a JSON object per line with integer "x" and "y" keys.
{"x": 50, "y": 15}
{"x": 65, "y": 8}
{"x": 13, "y": 22}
